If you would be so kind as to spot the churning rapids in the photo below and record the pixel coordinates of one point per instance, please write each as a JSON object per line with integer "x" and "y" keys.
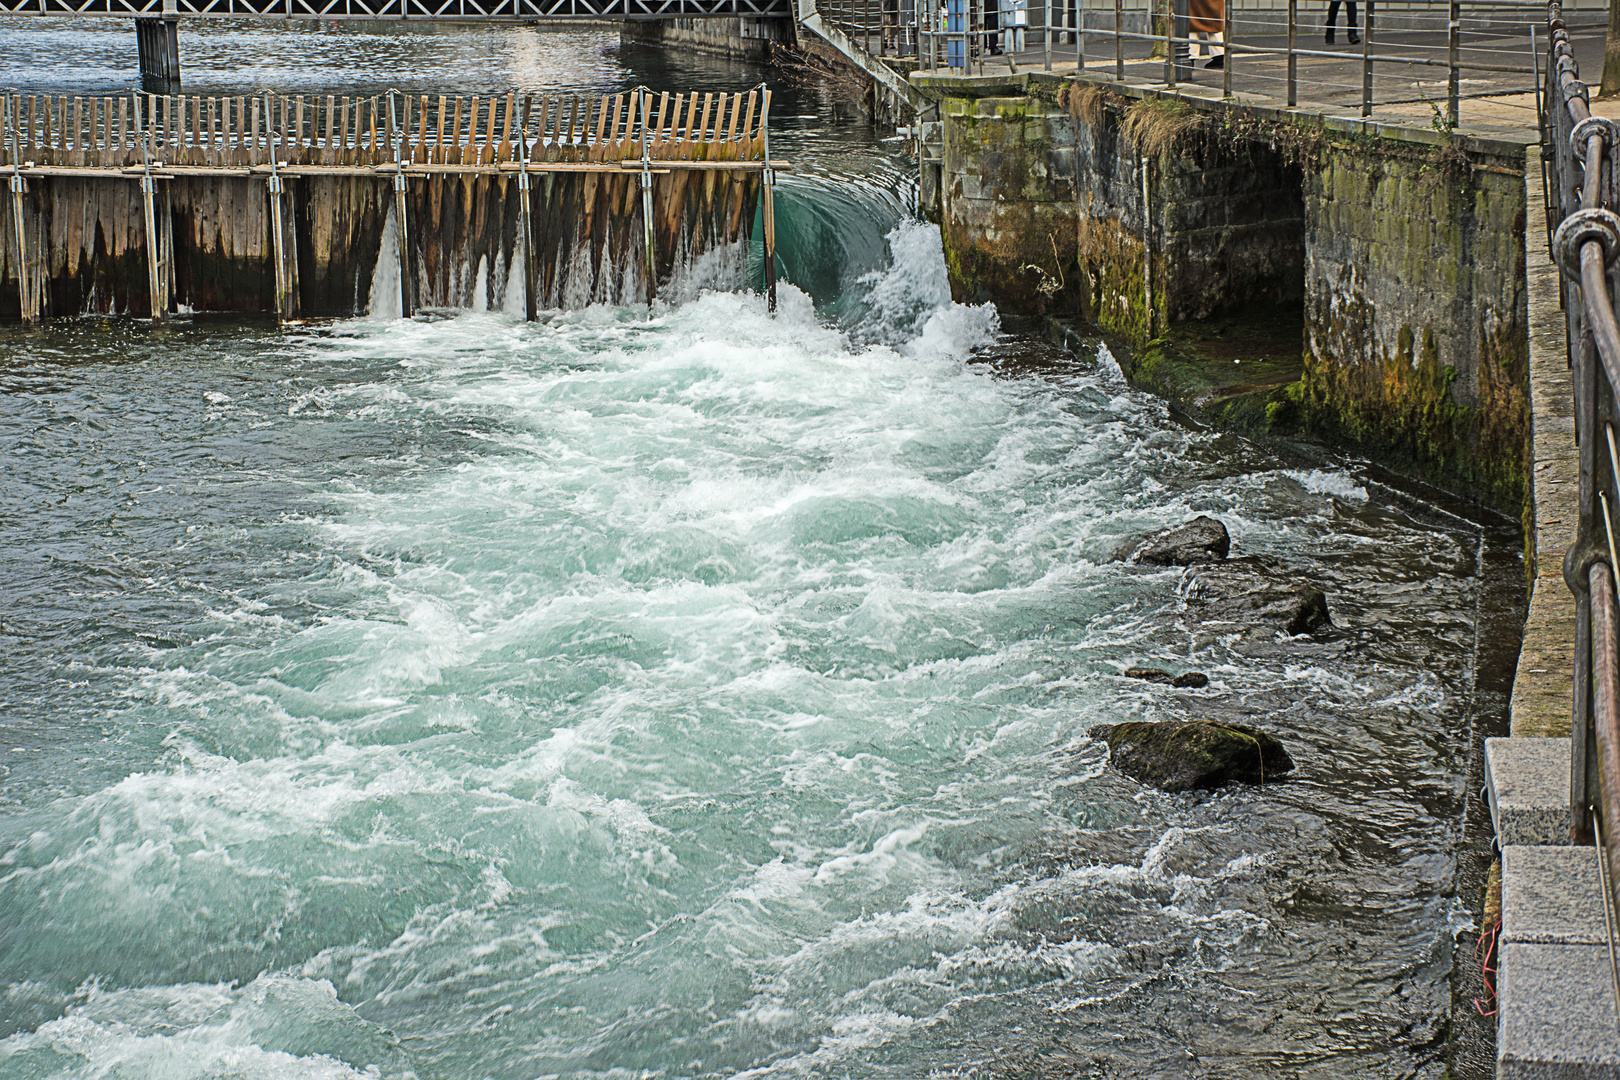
{"x": 694, "y": 695}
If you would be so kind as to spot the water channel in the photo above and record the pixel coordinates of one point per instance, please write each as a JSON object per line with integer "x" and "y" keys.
{"x": 694, "y": 695}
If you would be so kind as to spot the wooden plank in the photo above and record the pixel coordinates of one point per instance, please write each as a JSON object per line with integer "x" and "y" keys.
{"x": 438, "y": 151}
{"x": 253, "y": 135}
{"x": 457, "y": 148}
{"x": 748, "y": 121}
{"x": 736, "y": 111}
{"x": 658, "y": 124}
{"x": 601, "y": 119}
{"x": 374, "y": 155}
{"x": 505, "y": 150}
{"x": 703, "y": 127}
{"x": 421, "y": 141}
{"x": 343, "y": 157}
{"x": 123, "y": 130}
{"x": 297, "y": 154}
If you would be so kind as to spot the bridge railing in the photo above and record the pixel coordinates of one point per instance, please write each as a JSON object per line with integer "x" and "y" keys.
{"x": 415, "y": 130}
{"x": 1582, "y": 151}
{"x": 402, "y": 10}
{"x": 1440, "y": 53}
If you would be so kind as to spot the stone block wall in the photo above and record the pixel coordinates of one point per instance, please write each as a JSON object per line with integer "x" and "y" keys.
{"x": 1007, "y": 202}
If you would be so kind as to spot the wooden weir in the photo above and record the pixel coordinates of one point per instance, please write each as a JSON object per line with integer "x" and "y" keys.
{"x": 149, "y": 204}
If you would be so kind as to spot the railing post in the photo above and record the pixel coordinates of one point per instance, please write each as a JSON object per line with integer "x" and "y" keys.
{"x": 1079, "y": 34}
{"x": 1453, "y": 45}
{"x": 1046, "y": 35}
{"x": 1366, "y": 63}
{"x": 1227, "y": 55}
{"x": 1293, "y": 60}
{"x": 1119, "y": 43}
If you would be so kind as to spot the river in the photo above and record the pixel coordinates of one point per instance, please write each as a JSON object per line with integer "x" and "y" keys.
{"x": 701, "y": 694}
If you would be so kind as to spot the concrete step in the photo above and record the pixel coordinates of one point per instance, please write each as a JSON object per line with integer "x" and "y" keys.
{"x": 1550, "y": 896}
{"x": 1557, "y": 1013}
{"x": 1528, "y": 784}
{"x": 1557, "y": 1018}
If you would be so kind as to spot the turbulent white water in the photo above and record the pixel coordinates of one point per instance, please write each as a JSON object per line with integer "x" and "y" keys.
{"x": 706, "y": 695}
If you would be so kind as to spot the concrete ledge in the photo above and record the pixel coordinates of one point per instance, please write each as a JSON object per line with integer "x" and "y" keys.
{"x": 1528, "y": 783}
{"x": 1550, "y": 896}
{"x": 1557, "y": 1017}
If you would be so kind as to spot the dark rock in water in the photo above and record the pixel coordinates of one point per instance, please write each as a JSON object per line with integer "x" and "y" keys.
{"x": 1201, "y": 540}
{"x": 1177, "y": 756}
{"x": 1156, "y": 675}
{"x": 1248, "y": 593}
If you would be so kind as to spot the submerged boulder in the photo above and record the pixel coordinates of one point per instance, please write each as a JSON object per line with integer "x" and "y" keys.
{"x": 1185, "y": 756}
{"x": 1254, "y": 595}
{"x": 1194, "y": 679}
{"x": 1201, "y": 540}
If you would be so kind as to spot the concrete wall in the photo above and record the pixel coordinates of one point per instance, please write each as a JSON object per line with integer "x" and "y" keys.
{"x": 1402, "y": 252}
{"x": 740, "y": 36}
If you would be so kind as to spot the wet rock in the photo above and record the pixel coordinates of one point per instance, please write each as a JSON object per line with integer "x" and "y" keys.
{"x": 1186, "y": 756}
{"x": 1254, "y": 596}
{"x": 1201, "y": 540}
{"x": 1156, "y": 675}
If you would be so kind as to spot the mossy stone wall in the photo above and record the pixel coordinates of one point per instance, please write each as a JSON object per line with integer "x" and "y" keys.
{"x": 1416, "y": 347}
{"x": 1007, "y": 202}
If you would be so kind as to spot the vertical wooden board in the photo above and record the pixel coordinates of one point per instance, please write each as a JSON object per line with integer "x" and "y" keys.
{"x": 421, "y": 141}
{"x": 438, "y": 149}
{"x": 344, "y": 157}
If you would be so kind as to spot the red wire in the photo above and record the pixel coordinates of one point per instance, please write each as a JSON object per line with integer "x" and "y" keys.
{"x": 1486, "y": 969}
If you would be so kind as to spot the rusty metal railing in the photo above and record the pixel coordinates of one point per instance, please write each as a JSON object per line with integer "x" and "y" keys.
{"x": 1582, "y": 150}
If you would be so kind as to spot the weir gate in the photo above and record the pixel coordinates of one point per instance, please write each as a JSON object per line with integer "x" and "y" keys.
{"x": 150, "y": 205}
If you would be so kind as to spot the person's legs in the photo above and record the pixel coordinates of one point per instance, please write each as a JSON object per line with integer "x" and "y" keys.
{"x": 1350, "y": 9}
{"x": 1333, "y": 17}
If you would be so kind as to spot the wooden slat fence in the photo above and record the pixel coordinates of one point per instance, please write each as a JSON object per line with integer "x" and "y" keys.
{"x": 343, "y": 131}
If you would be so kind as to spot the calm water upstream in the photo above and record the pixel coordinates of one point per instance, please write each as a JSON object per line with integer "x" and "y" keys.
{"x": 701, "y": 695}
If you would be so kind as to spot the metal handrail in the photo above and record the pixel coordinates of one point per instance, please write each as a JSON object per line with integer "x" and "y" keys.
{"x": 965, "y": 34}
{"x": 1585, "y": 242}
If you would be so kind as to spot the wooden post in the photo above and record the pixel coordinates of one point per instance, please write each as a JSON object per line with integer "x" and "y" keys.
{"x": 768, "y": 213}
{"x": 407, "y": 298}
{"x": 525, "y": 217}
{"x": 647, "y": 200}
{"x": 25, "y": 291}
{"x": 156, "y": 299}
{"x": 278, "y": 233}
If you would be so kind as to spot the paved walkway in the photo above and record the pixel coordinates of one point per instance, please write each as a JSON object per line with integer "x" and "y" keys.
{"x": 1493, "y": 105}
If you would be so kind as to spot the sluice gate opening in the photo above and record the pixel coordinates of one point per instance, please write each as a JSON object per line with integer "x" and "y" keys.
{"x": 150, "y": 205}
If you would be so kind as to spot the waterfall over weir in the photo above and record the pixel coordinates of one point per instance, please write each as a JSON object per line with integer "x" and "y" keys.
{"x": 151, "y": 205}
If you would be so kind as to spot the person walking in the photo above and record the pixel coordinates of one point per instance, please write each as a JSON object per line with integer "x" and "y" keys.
{"x": 1207, "y": 20}
{"x": 1350, "y": 22}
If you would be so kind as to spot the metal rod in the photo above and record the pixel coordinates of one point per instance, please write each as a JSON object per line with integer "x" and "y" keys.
{"x": 1119, "y": 43}
{"x": 1453, "y": 79}
{"x": 1608, "y": 910}
{"x": 1293, "y": 58}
